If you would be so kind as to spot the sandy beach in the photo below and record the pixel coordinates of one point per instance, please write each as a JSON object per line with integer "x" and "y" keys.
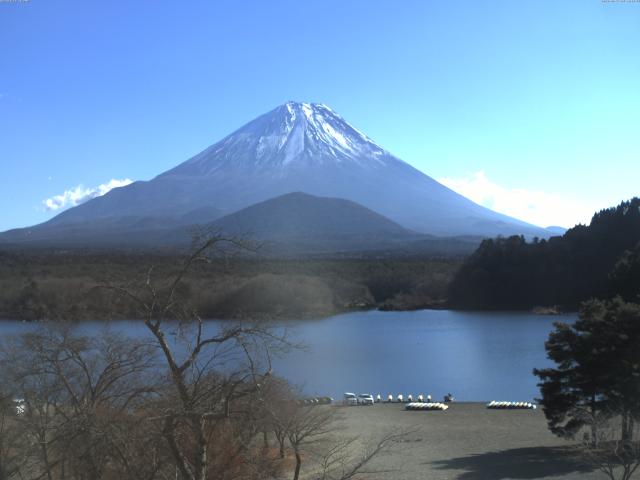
{"x": 467, "y": 442}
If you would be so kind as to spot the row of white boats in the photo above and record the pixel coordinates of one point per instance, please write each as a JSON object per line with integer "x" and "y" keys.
{"x": 511, "y": 405}
{"x": 402, "y": 399}
{"x": 493, "y": 405}
{"x": 426, "y": 406}
{"x": 421, "y": 404}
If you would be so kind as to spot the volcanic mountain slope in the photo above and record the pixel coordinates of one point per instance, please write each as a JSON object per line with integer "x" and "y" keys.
{"x": 299, "y": 216}
{"x": 297, "y": 147}
{"x": 312, "y": 224}
{"x": 298, "y": 223}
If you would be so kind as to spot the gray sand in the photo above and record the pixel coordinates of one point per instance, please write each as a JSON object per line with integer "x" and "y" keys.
{"x": 467, "y": 442}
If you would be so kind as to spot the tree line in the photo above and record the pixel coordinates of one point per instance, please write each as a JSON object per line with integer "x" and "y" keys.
{"x": 60, "y": 285}
{"x": 600, "y": 260}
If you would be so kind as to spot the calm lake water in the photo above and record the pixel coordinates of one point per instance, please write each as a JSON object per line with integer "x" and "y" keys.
{"x": 477, "y": 356}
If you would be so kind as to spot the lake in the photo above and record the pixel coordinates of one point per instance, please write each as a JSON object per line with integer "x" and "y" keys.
{"x": 477, "y": 356}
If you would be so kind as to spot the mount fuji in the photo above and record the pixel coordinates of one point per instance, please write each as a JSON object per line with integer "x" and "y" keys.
{"x": 297, "y": 147}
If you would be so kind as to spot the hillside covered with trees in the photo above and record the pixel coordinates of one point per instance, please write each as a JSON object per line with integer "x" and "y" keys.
{"x": 600, "y": 260}
{"x": 57, "y": 286}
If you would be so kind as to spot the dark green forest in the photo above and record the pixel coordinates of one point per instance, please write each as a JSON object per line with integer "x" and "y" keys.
{"x": 65, "y": 285}
{"x": 601, "y": 260}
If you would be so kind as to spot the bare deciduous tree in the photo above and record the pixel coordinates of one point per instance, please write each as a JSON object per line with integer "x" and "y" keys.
{"x": 344, "y": 461}
{"x": 307, "y": 426}
{"x": 193, "y": 400}
{"x": 200, "y": 401}
{"x": 76, "y": 390}
{"x": 616, "y": 450}
{"x": 12, "y": 444}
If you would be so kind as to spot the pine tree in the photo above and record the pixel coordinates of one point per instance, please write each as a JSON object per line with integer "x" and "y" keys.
{"x": 597, "y": 369}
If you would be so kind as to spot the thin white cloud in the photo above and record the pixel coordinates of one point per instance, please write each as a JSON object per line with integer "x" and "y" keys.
{"x": 80, "y": 194}
{"x": 534, "y": 206}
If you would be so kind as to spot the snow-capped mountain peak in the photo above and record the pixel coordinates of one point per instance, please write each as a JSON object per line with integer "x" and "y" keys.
{"x": 324, "y": 126}
{"x": 296, "y": 134}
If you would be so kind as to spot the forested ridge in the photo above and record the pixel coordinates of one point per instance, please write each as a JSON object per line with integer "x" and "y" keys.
{"x": 599, "y": 260}
{"x": 57, "y": 286}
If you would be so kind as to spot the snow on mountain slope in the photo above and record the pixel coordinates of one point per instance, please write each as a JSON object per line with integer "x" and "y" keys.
{"x": 292, "y": 135}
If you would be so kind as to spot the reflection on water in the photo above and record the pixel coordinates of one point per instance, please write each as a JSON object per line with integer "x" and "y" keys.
{"x": 474, "y": 355}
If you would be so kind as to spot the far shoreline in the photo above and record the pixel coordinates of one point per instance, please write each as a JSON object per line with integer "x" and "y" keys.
{"x": 314, "y": 316}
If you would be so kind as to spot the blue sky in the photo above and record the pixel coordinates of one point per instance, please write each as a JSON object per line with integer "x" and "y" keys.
{"x": 529, "y": 107}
